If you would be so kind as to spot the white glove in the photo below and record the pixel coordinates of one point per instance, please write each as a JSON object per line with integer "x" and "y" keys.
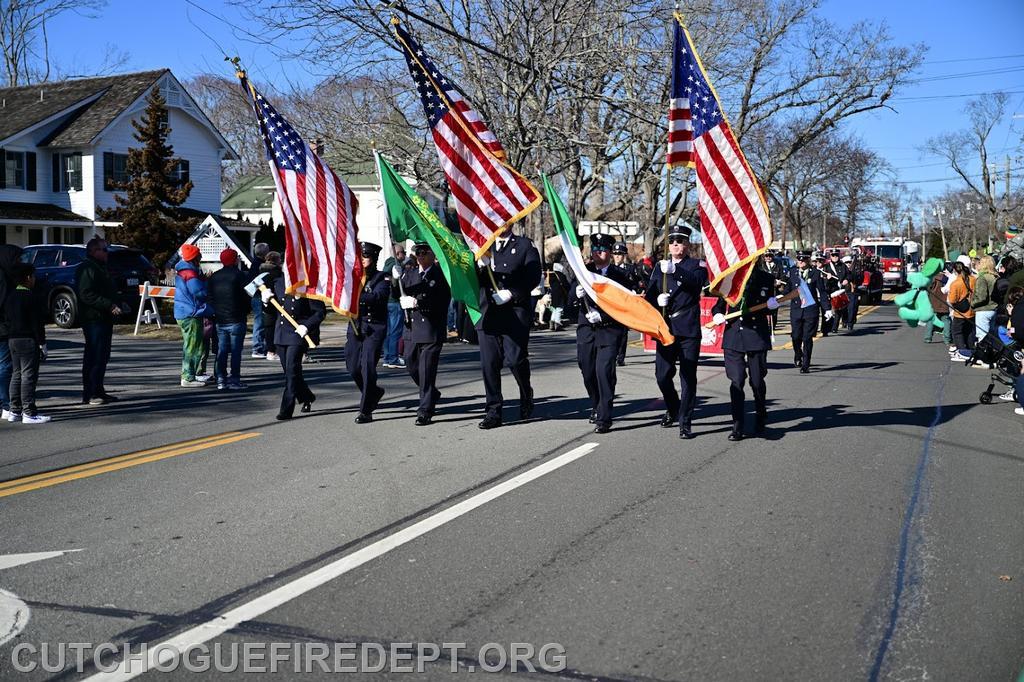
{"x": 667, "y": 266}
{"x": 662, "y": 300}
{"x": 717, "y": 319}
{"x": 773, "y": 303}
{"x": 266, "y": 295}
{"x": 43, "y": 352}
{"x": 594, "y": 317}
{"x": 580, "y": 291}
{"x": 407, "y": 302}
{"x": 502, "y": 296}
{"x": 396, "y": 271}
{"x": 301, "y": 330}
{"x": 483, "y": 261}
{"x": 829, "y": 314}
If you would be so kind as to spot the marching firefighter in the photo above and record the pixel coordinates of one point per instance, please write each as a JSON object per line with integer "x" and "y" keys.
{"x": 804, "y": 321}
{"x": 425, "y": 302}
{"x": 366, "y": 335}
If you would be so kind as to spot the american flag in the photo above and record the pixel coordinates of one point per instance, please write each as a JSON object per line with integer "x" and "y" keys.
{"x": 680, "y": 127}
{"x": 322, "y": 254}
{"x": 489, "y": 195}
{"x": 733, "y": 212}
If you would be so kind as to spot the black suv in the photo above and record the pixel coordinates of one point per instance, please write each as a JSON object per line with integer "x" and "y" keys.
{"x": 56, "y": 265}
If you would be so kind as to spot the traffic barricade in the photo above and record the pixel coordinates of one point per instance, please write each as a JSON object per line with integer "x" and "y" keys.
{"x": 148, "y": 293}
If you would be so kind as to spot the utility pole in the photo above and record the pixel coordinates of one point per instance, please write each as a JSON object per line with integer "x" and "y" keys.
{"x": 942, "y": 231}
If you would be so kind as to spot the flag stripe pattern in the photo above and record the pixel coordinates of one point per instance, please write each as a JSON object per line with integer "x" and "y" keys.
{"x": 489, "y": 195}
{"x": 733, "y": 213}
{"x": 322, "y": 257}
{"x": 624, "y": 306}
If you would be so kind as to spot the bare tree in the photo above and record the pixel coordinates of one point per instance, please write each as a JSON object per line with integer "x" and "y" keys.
{"x": 23, "y": 38}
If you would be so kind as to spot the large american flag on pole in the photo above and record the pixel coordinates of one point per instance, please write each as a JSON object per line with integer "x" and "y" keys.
{"x": 489, "y": 195}
{"x": 322, "y": 256}
{"x": 733, "y": 212}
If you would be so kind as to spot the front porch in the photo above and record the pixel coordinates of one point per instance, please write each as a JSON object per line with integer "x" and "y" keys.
{"x": 26, "y": 224}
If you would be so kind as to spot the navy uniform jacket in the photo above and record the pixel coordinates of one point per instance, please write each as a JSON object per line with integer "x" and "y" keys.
{"x": 306, "y": 311}
{"x": 607, "y": 330}
{"x": 837, "y": 270}
{"x": 432, "y": 294}
{"x": 684, "y": 290}
{"x": 373, "y": 301}
{"x": 816, "y": 283}
{"x": 516, "y": 268}
{"x": 752, "y": 332}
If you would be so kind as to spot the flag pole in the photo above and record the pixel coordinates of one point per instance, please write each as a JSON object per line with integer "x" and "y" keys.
{"x": 391, "y": 235}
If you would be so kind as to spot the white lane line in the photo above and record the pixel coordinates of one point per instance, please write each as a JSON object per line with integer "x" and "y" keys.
{"x": 14, "y": 613}
{"x": 12, "y": 560}
{"x": 200, "y": 634}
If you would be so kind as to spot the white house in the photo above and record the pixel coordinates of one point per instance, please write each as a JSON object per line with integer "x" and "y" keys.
{"x": 63, "y": 145}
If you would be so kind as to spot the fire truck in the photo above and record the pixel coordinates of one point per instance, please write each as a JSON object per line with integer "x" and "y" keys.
{"x": 894, "y": 256}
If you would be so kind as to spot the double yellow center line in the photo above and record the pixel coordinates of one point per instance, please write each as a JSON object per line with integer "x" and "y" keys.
{"x": 103, "y": 466}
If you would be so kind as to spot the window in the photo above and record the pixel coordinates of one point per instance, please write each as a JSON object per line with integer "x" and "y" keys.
{"x": 115, "y": 171}
{"x": 46, "y": 258}
{"x": 180, "y": 172}
{"x": 68, "y": 235}
{"x": 71, "y": 256}
{"x": 35, "y": 236}
{"x": 15, "y": 170}
{"x": 67, "y": 172}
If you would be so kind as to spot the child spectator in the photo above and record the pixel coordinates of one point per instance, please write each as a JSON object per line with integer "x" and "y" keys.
{"x": 27, "y": 343}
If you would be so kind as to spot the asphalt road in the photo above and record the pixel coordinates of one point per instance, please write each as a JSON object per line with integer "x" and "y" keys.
{"x": 876, "y": 532}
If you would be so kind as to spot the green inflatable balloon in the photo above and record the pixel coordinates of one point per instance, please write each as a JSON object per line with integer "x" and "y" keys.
{"x": 913, "y": 306}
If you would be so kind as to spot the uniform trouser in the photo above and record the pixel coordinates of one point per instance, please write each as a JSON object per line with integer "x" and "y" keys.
{"x": 98, "y": 337}
{"x": 597, "y": 363}
{"x": 803, "y": 330}
{"x": 685, "y": 352}
{"x": 295, "y": 388}
{"x": 851, "y": 309}
{"x": 826, "y": 324}
{"x": 25, "y": 363}
{"x": 361, "y": 358}
{"x": 623, "y": 342}
{"x": 192, "y": 347}
{"x": 738, "y": 365}
{"x": 509, "y": 350}
{"x": 421, "y": 359}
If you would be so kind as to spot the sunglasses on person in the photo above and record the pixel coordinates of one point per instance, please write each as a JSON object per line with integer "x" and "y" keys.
{"x": 678, "y": 239}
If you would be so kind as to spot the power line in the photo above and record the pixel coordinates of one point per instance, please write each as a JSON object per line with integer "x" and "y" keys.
{"x": 924, "y": 98}
{"x": 973, "y": 59}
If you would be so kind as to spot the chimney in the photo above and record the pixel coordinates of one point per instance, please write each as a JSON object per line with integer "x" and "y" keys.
{"x": 40, "y": 94}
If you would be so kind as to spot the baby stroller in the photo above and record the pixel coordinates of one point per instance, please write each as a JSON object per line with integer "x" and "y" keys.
{"x": 1003, "y": 354}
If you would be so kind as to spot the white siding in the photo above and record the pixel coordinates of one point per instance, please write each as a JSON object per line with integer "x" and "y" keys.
{"x": 44, "y": 193}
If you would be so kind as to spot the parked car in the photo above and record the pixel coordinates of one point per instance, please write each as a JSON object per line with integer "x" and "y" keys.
{"x": 56, "y": 265}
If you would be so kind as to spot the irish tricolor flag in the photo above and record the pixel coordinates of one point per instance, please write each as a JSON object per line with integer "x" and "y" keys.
{"x": 615, "y": 300}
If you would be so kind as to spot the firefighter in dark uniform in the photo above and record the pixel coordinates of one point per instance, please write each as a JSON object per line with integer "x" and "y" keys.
{"x": 804, "y": 321}
{"x": 425, "y": 303}
{"x": 291, "y": 346}
{"x": 504, "y": 329}
{"x": 633, "y": 282}
{"x": 686, "y": 277}
{"x": 855, "y": 275}
{"x": 598, "y": 336}
{"x": 746, "y": 343}
{"x": 367, "y": 333}
{"x": 774, "y": 268}
{"x": 837, "y": 276}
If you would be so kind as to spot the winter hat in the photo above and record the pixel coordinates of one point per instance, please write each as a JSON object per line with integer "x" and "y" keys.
{"x": 189, "y": 252}
{"x": 228, "y": 257}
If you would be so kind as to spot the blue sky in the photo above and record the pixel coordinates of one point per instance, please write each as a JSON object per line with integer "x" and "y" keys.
{"x": 985, "y": 34}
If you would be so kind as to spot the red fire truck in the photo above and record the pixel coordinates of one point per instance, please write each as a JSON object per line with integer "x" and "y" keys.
{"x": 892, "y": 255}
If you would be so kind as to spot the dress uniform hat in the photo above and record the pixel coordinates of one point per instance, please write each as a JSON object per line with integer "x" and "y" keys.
{"x": 601, "y": 242}
{"x": 370, "y": 250}
{"x": 620, "y": 248}
{"x": 421, "y": 246}
{"x": 679, "y": 233}
{"x": 804, "y": 255}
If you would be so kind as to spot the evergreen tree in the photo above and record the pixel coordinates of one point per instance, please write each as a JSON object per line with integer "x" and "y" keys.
{"x": 147, "y": 211}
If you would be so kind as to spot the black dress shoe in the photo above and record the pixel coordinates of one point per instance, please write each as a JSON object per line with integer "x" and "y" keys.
{"x": 593, "y": 416}
{"x": 620, "y": 363}
{"x": 667, "y": 420}
{"x": 804, "y": 370}
{"x": 686, "y": 434}
{"x": 282, "y": 416}
{"x": 526, "y": 406}
{"x": 422, "y": 420}
{"x": 736, "y": 435}
{"x": 490, "y": 422}
{"x": 797, "y": 362}
{"x": 363, "y": 418}
{"x": 603, "y": 428}
{"x": 306, "y": 407}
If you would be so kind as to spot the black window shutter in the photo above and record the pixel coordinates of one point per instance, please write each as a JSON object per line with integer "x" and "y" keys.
{"x": 30, "y": 171}
{"x": 56, "y": 172}
{"x": 108, "y": 171}
{"x": 3, "y": 168}
{"x": 184, "y": 171}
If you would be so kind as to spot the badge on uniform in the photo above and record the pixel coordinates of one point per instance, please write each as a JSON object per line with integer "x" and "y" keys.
{"x": 431, "y": 283}
{"x": 764, "y": 292}
{"x": 513, "y": 251}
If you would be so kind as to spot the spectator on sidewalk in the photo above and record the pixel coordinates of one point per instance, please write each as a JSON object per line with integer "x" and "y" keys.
{"x": 941, "y": 308}
{"x": 231, "y": 307}
{"x": 190, "y": 307}
{"x": 27, "y": 343}
{"x": 961, "y": 289}
{"x": 259, "y": 343}
{"x": 982, "y": 303}
{"x": 9, "y": 255}
{"x": 1008, "y": 266}
{"x": 396, "y": 320}
{"x": 271, "y": 265}
{"x": 98, "y": 303}
{"x": 1015, "y": 307}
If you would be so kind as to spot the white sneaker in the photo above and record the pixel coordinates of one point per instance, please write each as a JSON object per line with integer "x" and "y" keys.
{"x": 1008, "y": 396}
{"x": 259, "y": 355}
{"x": 272, "y": 357}
{"x": 195, "y": 383}
{"x": 203, "y": 378}
{"x": 12, "y": 416}
{"x": 1020, "y": 411}
{"x": 4, "y": 415}
{"x": 37, "y": 419}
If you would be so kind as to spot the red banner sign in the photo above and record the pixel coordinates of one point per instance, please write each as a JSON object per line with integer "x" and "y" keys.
{"x": 710, "y": 340}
